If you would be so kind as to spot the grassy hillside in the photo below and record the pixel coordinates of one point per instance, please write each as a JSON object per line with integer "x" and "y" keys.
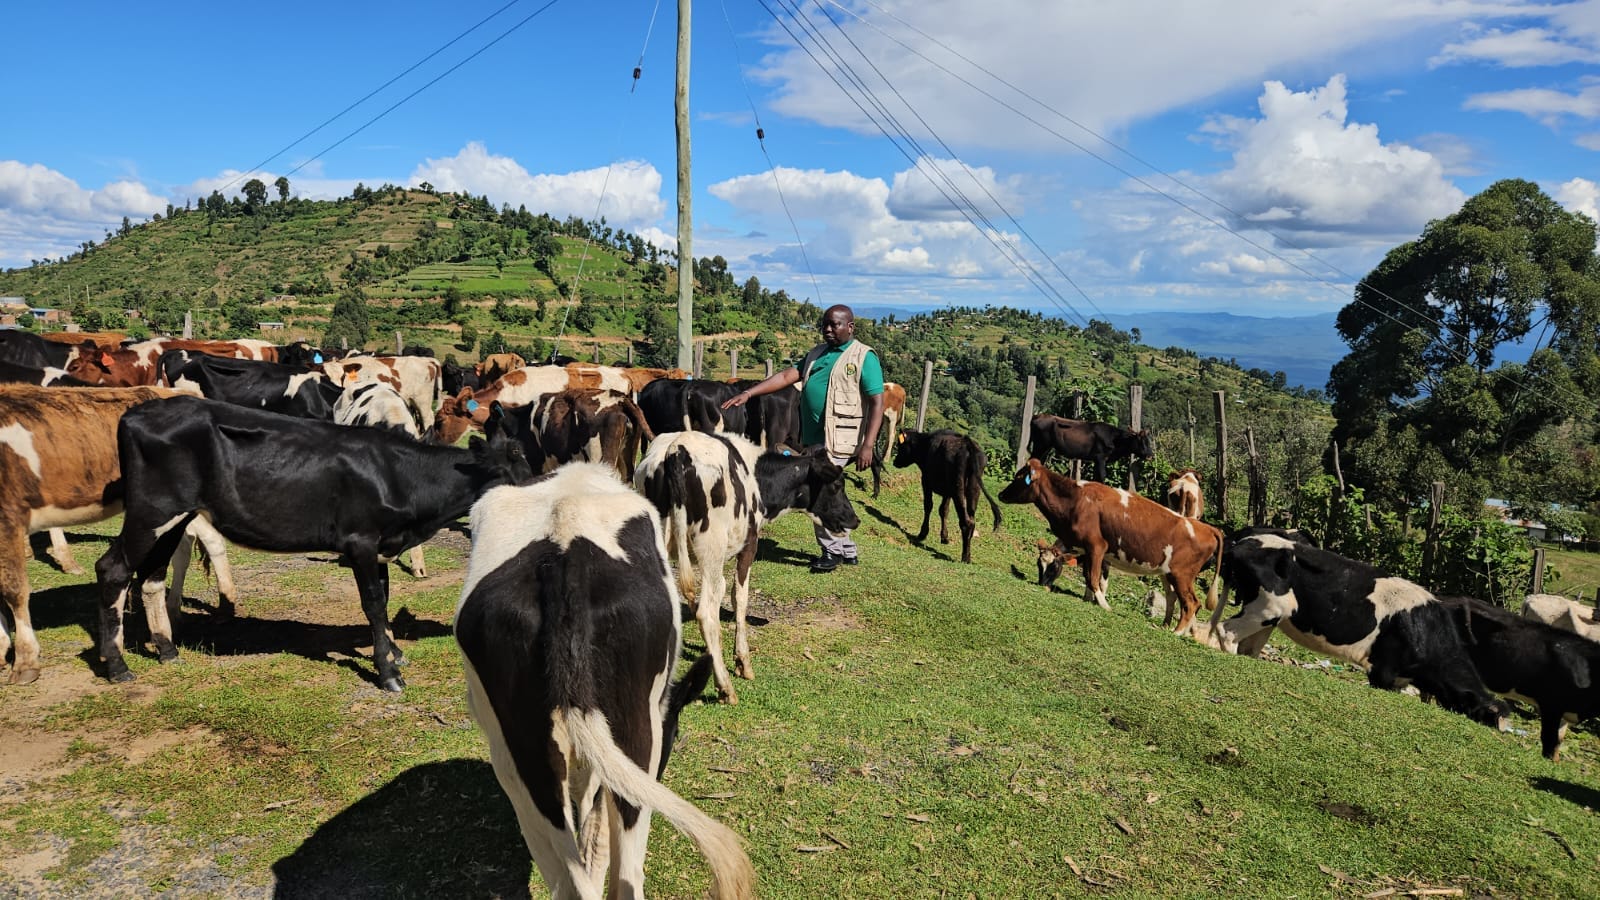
{"x": 917, "y": 728}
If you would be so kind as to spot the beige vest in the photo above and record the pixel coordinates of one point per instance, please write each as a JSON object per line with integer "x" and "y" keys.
{"x": 844, "y": 412}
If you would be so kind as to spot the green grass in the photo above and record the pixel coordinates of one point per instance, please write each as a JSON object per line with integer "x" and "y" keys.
{"x": 1576, "y": 573}
{"x": 916, "y": 728}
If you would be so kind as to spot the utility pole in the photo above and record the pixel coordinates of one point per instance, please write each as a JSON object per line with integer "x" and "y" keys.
{"x": 685, "y": 217}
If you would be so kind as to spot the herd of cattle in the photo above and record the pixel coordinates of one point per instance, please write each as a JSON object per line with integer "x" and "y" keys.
{"x": 582, "y": 550}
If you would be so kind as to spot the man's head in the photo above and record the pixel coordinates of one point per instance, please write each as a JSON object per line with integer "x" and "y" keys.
{"x": 838, "y": 325}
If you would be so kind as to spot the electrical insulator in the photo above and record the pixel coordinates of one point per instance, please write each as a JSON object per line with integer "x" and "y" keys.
{"x": 761, "y": 134}
{"x": 636, "y": 71}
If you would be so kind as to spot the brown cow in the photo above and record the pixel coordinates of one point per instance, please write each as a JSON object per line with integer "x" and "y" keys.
{"x": 135, "y": 364}
{"x": 894, "y": 409}
{"x": 528, "y": 385}
{"x": 497, "y": 364}
{"x": 1111, "y": 525}
{"x": 1183, "y": 493}
{"x": 582, "y": 424}
{"x": 108, "y": 340}
{"x": 59, "y": 467}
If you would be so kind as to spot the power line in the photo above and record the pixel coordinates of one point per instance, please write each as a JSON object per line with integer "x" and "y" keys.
{"x": 1438, "y": 323}
{"x": 368, "y": 96}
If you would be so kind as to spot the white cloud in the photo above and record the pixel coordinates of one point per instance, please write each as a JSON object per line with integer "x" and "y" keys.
{"x": 921, "y": 193}
{"x": 1106, "y": 65}
{"x": 45, "y": 214}
{"x": 852, "y": 224}
{"x": 1579, "y": 195}
{"x": 1303, "y": 167}
{"x": 1590, "y": 141}
{"x": 1543, "y": 104}
{"x": 632, "y": 189}
{"x": 1520, "y": 48}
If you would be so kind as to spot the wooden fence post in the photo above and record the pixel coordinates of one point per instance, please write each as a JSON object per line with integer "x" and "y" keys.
{"x": 1220, "y": 400}
{"x": 630, "y": 354}
{"x": 769, "y": 369}
{"x": 399, "y": 344}
{"x": 699, "y": 359}
{"x": 1135, "y": 418}
{"x": 1430, "y": 542}
{"x": 1258, "y": 480}
{"x": 597, "y": 353}
{"x": 733, "y": 362}
{"x": 1538, "y": 571}
{"x": 188, "y": 324}
{"x": 1190, "y": 408}
{"x": 1075, "y": 411}
{"x": 1027, "y": 416}
{"x": 922, "y": 401}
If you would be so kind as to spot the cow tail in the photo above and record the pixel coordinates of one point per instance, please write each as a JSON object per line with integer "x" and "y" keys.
{"x": 637, "y": 415}
{"x": 678, "y": 518}
{"x": 978, "y": 462}
{"x": 731, "y": 873}
{"x": 1216, "y": 579}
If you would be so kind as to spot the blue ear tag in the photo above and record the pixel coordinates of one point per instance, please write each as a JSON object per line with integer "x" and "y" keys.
{"x": 1028, "y": 478}
{"x": 788, "y": 453}
{"x": 472, "y": 406}
{"x": 317, "y": 359}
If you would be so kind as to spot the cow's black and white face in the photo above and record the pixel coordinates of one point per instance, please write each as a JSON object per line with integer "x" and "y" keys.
{"x": 824, "y": 497}
{"x": 502, "y": 456}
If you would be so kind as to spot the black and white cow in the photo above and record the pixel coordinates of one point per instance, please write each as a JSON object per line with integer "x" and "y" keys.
{"x": 569, "y": 626}
{"x": 12, "y": 373}
{"x": 284, "y": 485}
{"x": 715, "y": 492}
{"x": 1527, "y": 660}
{"x": 374, "y": 405}
{"x": 1395, "y": 630}
{"x": 273, "y": 387}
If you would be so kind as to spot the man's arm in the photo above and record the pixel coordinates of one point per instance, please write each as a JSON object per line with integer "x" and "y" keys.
{"x": 869, "y": 441}
{"x": 775, "y": 381}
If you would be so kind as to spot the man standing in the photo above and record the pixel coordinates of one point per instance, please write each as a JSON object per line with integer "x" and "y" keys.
{"x": 841, "y": 409}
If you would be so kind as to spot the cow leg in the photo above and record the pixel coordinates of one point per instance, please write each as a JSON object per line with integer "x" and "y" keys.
{"x": 138, "y": 554}
{"x": 1247, "y": 632}
{"x": 61, "y": 552}
{"x": 627, "y": 853}
{"x": 965, "y": 518}
{"x": 741, "y": 604}
{"x": 927, "y": 510}
{"x": 114, "y": 574}
{"x": 1552, "y": 727}
{"x": 180, "y": 574}
{"x": 1183, "y": 593}
{"x": 372, "y": 581}
{"x": 419, "y": 566}
{"x": 708, "y": 612}
{"x": 1094, "y": 579}
{"x": 216, "y": 550}
{"x": 14, "y": 587}
{"x": 154, "y": 594}
{"x": 944, "y": 519}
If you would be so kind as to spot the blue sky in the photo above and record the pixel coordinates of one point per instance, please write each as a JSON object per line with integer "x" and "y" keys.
{"x": 1339, "y": 127}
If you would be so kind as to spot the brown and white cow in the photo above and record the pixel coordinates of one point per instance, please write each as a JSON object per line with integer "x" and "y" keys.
{"x": 1104, "y": 524}
{"x": 135, "y": 364}
{"x": 1183, "y": 493}
{"x": 59, "y": 467}
{"x": 419, "y": 379}
{"x": 497, "y": 364}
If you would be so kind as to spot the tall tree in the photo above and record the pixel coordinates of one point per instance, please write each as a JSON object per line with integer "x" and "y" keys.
{"x": 282, "y": 184}
{"x": 348, "y": 320}
{"x": 255, "y": 194}
{"x": 1427, "y": 324}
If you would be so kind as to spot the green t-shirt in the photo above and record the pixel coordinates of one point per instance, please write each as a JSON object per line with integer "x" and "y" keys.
{"x": 814, "y": 395}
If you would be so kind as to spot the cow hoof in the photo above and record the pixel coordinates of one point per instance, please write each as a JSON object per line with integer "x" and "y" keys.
{"x": 728, "y": 697}
{"x": 420, "y": 573}
{"x": 745, "y": 671}
{"x": 395, "y": 685}
{"x": 225, "y": 609}
{"x": 401, "y": 660}
{"x": 122, "y": 677}
{"x": 23, "y": 676}
{"x": 167, "y": 656}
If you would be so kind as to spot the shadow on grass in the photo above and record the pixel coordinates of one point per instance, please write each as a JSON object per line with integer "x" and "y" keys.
{"x": 441, "y": 829}
{"x": 881, "y": 516}
{"x": 1582, "y": 795}
{"x": 769, "y": 550}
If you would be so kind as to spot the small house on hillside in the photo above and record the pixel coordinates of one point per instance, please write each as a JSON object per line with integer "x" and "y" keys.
{"x": 1501, "y": 510}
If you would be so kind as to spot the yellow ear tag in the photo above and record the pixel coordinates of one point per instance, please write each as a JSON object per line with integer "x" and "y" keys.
{"x": 902, "y": 438}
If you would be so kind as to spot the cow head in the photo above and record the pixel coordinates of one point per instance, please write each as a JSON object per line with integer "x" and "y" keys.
{"x": 911, "y": 447}
{"x": 1138, "y": 443}
{"x": 1027, "y": 485}
{"x": 502, "y": 457}
{"x": 454, "y": 418}
{"x": 809, "y": 482}
{"x": 1053, "y": 558}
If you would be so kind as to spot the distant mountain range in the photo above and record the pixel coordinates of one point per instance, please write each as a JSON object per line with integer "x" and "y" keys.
{"x": 1304, "y": 348}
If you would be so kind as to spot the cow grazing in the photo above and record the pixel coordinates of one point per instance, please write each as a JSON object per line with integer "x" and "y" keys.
{"x": 1079, "y": 439}
{"x": 1106, "y": 525}
{"x": 285, "y": 485}
{"x": 569, "y": 626}
{"x": 1395, "y": 630}
{"x": 715, "y": 492}
{"x": 1527, "y": 660}
{"x": 1554, "y": 609}
{"x": 419, "y": 379}
{"x": 274, "y": 387}
{"x": 59, "y": 467}
{"x": 1183, "y": 493}
{"x": 1053, "y": 560}
{"x": 952, "y": 467}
